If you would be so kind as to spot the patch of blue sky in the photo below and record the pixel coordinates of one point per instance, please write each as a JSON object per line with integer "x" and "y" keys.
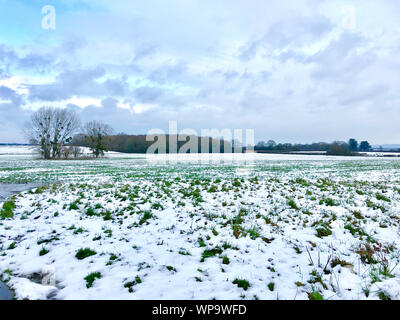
{"x": 21, "y": 20}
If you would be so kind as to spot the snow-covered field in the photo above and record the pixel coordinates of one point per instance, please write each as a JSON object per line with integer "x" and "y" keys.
{"x": 15, "y": 150}
{"x": 195, "y": 227}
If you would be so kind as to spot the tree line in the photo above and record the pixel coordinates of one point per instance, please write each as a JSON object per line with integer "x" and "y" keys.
{"x": 335, "y": 148}
{"x": 53, "y": 130}
{"x": 140, "y": 143}
{"x": 59, "y": 134}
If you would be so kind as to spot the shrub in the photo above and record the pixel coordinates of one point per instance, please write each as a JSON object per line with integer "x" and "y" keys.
{"x": 339, "y": 149}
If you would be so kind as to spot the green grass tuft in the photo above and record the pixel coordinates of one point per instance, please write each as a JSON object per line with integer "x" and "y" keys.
{"x": 271, "y": 286}
{"x": 315, "y": 296}
{"x": 241, "y": 283}
{"x": 209, "y": 253}
{"x": 84, "y": 253}
{"x": 7, "y": 212}
{"x": 43, "y": 252}
{"x": 293, "y": 204}
{"x": 91, "y": 278}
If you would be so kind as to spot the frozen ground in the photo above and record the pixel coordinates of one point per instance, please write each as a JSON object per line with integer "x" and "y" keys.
{"x": 31, "y": 151}
{"x": 268, "y": 227}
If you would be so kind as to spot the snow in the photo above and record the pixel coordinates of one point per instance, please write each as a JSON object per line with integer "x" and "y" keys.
{"x": 18, "y": 150}
{"x": 28, "y": 290}
{"x": 149, "y": 220}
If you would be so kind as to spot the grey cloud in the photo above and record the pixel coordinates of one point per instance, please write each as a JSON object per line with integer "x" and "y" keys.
{"x": 82, "y": 82}
{"x": 256, "y": 78}
{"x": 249, "y": 50}
{"x": 372, "y": 94}
{"x": 6, "y": 54}
{"x": 10, "y": 59}
{"x": 12, "y": 117}
{"x": 340, "y": 48}
{"x": 147, "y": 94}
{"x": 9, "y": 94}
{"x": 36, "y": 62}
{"x": 170, "y": 73}
{"x": 117, "y": 87}
{"x": 121, "y": 120}
{"x": 73, "y": 43}
{"x": 144, "y": 50}
{"x": 340, "y": 60}
{"x": 7, "y": 57}
{"x": 230, "y": 75}
{"x": 294, "y": 32}
{"x": 297, "y": 31}
{"x": 293, "y": 55}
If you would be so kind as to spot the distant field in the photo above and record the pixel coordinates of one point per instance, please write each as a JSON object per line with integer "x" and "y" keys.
{"x": 202, "y": 227}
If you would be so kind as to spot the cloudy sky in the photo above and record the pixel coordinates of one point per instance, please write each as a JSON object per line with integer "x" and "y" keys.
{"x": 294, "y": 71}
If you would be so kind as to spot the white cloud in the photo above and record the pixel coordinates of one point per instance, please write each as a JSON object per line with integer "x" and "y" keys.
{"x": 83, "y": 101}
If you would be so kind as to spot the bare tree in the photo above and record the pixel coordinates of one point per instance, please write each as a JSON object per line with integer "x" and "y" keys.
{"x": 95, "y": 134}
{"x": 38, "y": 131}
{"x": 51, "y": 129}
{"x": 66, "y": 152}
{"x": 77, "y": 151}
